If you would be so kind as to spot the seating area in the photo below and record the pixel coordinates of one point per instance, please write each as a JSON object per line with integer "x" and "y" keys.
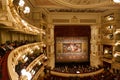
{"x": 82, "y": 69}
{"x": 24, "y": 64}
{"x": 75, "y": 68}
{"x": 27, "y": 61}
{"x": 5, "y": 49}
{"x": 106, "y": 75}
{"x": 9, "y": 46}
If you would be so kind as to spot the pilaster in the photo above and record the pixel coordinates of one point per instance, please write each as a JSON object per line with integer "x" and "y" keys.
{"x": 95, "y": 46}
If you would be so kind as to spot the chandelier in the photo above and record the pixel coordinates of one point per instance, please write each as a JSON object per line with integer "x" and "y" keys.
{"x": 116, "y": 1}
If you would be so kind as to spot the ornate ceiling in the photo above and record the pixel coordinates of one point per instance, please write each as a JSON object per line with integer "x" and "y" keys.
{"x": 75, "y": 5}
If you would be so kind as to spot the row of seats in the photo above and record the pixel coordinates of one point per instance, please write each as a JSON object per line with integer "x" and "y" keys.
{"x": 106, "y": 75}
{"x": 9, "y": 46}
{"x": 23, "y": 65}
{"x": 30, "y": 60}
{"x": 82, "y": 68}
{"x": 78, "y": 68}
{"x": 5, "y": 49}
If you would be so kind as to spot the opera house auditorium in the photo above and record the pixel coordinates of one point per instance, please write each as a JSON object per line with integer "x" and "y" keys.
{"x": 59, "y": 39}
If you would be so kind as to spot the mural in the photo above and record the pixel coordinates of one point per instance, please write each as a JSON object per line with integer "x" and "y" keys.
{"x": 71, "y": 49}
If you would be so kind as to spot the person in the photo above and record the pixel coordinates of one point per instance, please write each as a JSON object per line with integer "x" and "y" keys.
{"x": 10, "y": 46}
{"x": 2, "y": 50}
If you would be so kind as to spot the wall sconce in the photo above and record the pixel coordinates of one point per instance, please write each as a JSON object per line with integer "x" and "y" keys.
{"x": 39, "y": 63}
{"x": 109, "y": 18}
{"x": 106, "y": 51}
{"x": 110, "y": 27}
{"x": 117, "y": 43}
{"x": 25, "y": 59}
{"x": 117, "y": 31}
{"x": 115, "y": 55}
{"x": 110, "y": 36}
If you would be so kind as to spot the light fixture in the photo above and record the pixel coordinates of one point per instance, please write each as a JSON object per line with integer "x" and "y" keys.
{"x": 110, "y": 27}
{"x": 25, "y": 73}
{"x": 26, "y": 58}
{"x": 33, "y": 72}
{"x": 106, "y": 51}
{"x": 21, "y": 3}
{"x": 117, "y": 43}
{"x": 117, "y": 31}
{"x": 45, "y": 58}
{"x": 109, "y": 18}
{"x": 39, "y": 63}
{"x": 116, "y": 1}
{"x": 77, "y": 72}
{"x": 24, "y": 23}
{"x": 30, "y": 29}
{"x": 29, "y": 76}
{"x": 31, "y": 51}
{"x": 26, "y": 10}
{"x": 116, "y": 54}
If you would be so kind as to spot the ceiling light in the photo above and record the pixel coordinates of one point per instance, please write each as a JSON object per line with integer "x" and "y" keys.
{"x": 116, "y": 1}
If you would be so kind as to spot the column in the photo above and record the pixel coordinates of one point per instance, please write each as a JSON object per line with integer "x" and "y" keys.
{"x": 95, "y": 46}
{"x": 50, "y": 44}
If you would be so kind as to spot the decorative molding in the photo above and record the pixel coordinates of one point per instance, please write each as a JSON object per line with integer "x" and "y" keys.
{"x": 61, "y": 20}
{"x": 87, "y": 20}
{"x": 77, "y": 10}
{"x": 74, "y": 19}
